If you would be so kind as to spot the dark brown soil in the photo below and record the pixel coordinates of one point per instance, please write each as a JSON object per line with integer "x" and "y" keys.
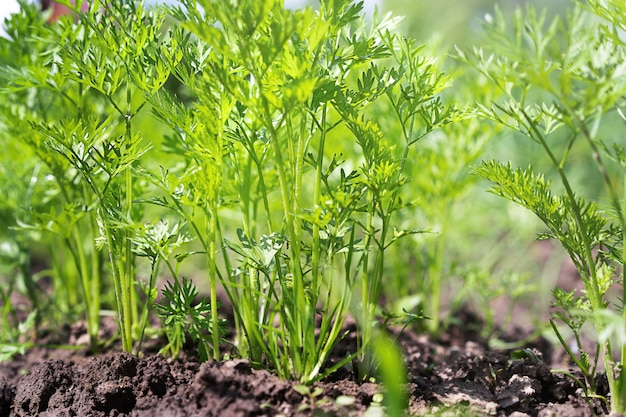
{"x": 454, "y": 376}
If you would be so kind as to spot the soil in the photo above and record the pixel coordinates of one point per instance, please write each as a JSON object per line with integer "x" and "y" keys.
{"x": 456, "y": 375}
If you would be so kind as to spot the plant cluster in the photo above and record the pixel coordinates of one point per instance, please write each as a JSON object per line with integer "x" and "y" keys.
{"x": 275, "y": 170}
{"x": 306, "y": 163}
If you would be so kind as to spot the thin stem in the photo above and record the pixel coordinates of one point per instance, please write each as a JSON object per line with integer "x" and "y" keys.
{"x": 436, "y": 276}
{"x": 293, "y": 234}
{"x": 576, "y": 210}
{"x": 617, "y": 386}
{"x": 96, "y": 277}
{"x": 589, "y": 263}
{"x": 249, "y": 300}
{"x": 571, "y": 354}
{"x": 154, "y": 270}
{"x": 80, "y": 261}
{"x": 366, "y": 319}
{"x": 211, "y": 251}
{"x": 130, "y": 311}
{"x": 315, "y": 261}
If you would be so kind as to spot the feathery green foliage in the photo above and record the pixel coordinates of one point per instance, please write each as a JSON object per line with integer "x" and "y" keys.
{"x": 276, "y": 168}
{"x": 562, "y": 87}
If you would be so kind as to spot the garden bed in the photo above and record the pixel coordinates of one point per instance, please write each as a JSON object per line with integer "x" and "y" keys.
{"x": 455, "y": 375}
{"x": 320, "y": 169}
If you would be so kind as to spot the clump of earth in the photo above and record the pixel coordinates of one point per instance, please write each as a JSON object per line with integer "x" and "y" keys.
{"x": 454, "y": 375}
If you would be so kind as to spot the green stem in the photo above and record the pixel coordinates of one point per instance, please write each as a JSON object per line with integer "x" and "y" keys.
{"x": 379, "y": 263}
{"x": 589, "y": 263}
{"x": 592, "y": 286}
{"x": 128, "y": 314}
{"x": 154, "y": 270}
{"x": 96, "y": 277}
{"x": 436, "y": 275}
{"x": 293, "y": 235}
{"x": 584, "y": 369}
{"x": 617, "y": 386}
{"x": 366, "y": 324}
{"x": 212, "y": 236}
{"x": 118, "y": 283}
{"x": 247, "y": 297}
{"x": 80, "y": 262}
{"x": 315, "y": 261}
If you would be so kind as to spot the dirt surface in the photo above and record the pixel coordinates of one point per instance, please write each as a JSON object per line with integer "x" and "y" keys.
{"x": 456, "y": 375}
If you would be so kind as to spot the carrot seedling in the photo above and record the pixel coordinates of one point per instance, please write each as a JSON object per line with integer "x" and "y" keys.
{"x": 561, "y": 83}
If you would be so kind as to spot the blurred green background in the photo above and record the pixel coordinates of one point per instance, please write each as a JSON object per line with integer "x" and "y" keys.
{"x": 458, "y": 22}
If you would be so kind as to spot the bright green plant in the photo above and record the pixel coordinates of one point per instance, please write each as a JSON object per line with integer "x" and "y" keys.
{"x": 90, "y": 78}
{"x": 437, "y": 181}
{"x": 287, "y": 163}
{"x": 274, "y": 90}
{"x": 53, "y": 209}
{"x": 261, "y": 115}
{"x": 109, "y": 63}
{"x": 418, "y": 110}
{"x": 563, "y": 87}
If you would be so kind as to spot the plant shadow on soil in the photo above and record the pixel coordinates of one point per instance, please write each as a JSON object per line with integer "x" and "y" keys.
{"x": 454, "y": 375}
